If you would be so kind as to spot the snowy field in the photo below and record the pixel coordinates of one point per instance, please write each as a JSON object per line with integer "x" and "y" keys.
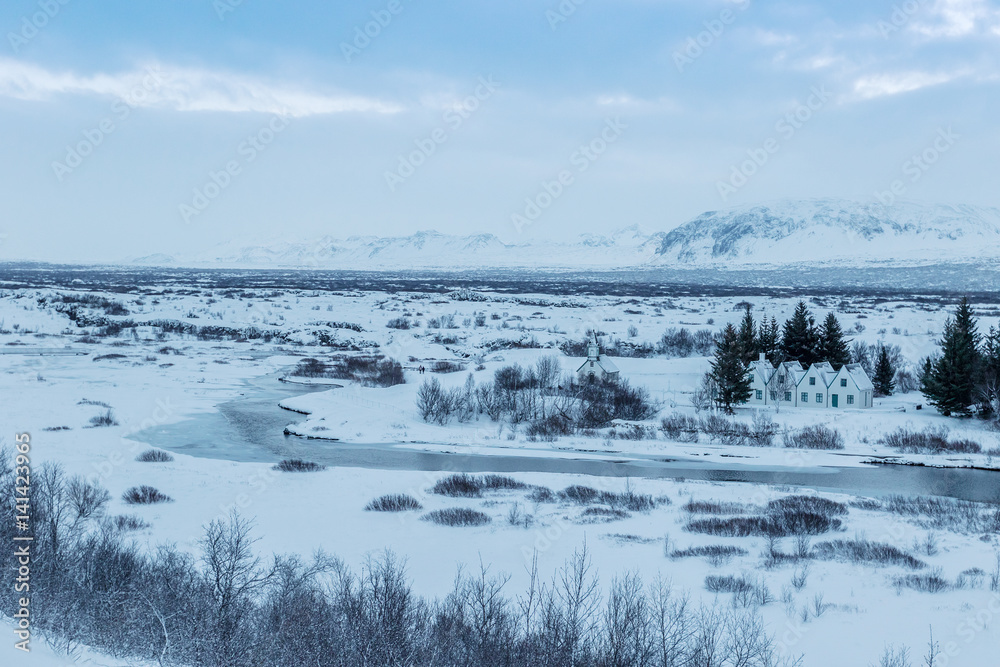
{"x": 67, "y": 361}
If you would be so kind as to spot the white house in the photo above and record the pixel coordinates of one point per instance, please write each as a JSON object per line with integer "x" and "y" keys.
{"x": 761, "y": 374}
{"x": 597, "y": 368}
{"x": 818, "y": 386}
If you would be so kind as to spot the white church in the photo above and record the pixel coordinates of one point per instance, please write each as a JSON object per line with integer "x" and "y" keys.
{"x": 597, "y": 367}
{"x": 819, "y": 386}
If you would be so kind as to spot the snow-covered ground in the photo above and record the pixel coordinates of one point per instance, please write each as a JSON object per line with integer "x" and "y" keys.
{"x": 164, "y": 378}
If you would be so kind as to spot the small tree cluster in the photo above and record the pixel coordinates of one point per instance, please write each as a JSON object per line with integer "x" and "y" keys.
{"x": 536, "y": 396}
{"x": 964, "y": 377}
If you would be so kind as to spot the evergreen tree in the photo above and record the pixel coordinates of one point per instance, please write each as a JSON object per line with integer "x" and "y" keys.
{"x": 746, "y": 337}
{"x": 832, "y": 345}
{"x": 988, "y": 387}
{"x": 885, "y": 373}
{"x": 799, "y": 339}
{"x": 926, "y": 376}
{"x": 951, "y": 383}
{"x": 767, "y": 340}
{"x": 729, "y": 373}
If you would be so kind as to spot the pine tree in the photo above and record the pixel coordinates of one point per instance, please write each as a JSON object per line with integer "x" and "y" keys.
{"x": 767, "y": 340}
{"x": 832, "y": 345}
{"x": 951, "y": 382}
{"x": 746, "y": 337}
{"x": 988, "y": 385}
{"x": 885, "y": 373}
{"x": 729, "y": 372}
{"x": 799, "y": 339}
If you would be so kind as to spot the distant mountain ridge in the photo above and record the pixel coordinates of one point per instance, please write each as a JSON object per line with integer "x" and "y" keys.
{"x": 813, "y": 233}
{"x": 827, "y": 231}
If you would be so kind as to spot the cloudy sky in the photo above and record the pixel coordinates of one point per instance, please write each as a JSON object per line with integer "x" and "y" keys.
{"x": 133, "y": 128}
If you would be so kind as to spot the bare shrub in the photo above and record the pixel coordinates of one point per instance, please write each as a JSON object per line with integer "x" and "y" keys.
{"x": 154, "y": 456}
{"x": 396, "y": 502}
{"x": 145, "y": 495}
{"x": 929, "y": 441}
{"x": 815, "y": 504}
{"x": 814, "y": 437}
{"x": 924, "y": 583}
{"x": 457, "y": 516}
{"x": 714, "y": 507}
{"x": 447, "y": 367}
{"x": 680, "y": 427}
{"x": 628, "y": 499}
{"x": 129, "y": 523}
{"x": 715, "y": 553}
{"x": 458, "y": 486}
{"x": 106, "y": 418}
{"x": 864, "y": 551}
{"x": 297, "y": 465}
{"x": 779, "y": 525}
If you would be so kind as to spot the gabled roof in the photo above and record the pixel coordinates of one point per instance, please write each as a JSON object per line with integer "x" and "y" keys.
{"x": 764, "y": 368}
{"x": 605, "y": 364}
{"x": 823, "y": 370}
{"x": 860, "y": 377}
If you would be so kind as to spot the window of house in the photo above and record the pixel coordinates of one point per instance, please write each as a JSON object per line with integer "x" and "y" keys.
{"x": 850, "y": 399}
{"x": 812, "y": 380}
{"x": 751, "y": 377}
{"x": 819, "y": 398}
{"x": 843, "y": 382}
{"x": 760, "y": 395}
{"x": 805, "y": 397}
{"x": 788, "y": 396}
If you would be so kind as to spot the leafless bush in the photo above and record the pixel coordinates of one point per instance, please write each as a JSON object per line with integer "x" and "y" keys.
{"x": 864, "y": 551}
{"x": 457, "y": 516}
{"x": 104, "y": 419}
{"x": 717, "y": 554}
{"x": 714, "y": 507}
{"x": 814, "y": 437}
{"x": 396, "y": 502}
{"x": 680, "y": 427}
{"x": 154, "y": 456}
{"x": 929, "y": 441}
{"x": 297, "y": 465}
{"x": 895, "y": 657}
{"x": 924, "y": 583}
{"x": 145, "y": 495}
{"x": 129, "y": 523}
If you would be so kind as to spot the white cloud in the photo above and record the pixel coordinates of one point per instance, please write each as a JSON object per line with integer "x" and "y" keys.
{"x": 881, "y": 85}
{"x": 182, "y": 89}
{"x": 957, "y": 18}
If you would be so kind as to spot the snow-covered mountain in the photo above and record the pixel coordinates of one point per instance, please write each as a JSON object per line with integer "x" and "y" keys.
{"x": 786, "y": 234}
{"x": 828, "y": 231}
{"x": 429, "y": 249}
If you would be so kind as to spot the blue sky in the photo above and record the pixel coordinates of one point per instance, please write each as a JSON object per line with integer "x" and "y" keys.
{"x": 137, "y": 128}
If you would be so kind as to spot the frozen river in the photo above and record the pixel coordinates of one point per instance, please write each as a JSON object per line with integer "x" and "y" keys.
{"x": 252, "y": 429}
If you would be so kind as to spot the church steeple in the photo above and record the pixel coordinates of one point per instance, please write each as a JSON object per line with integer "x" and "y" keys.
{"x": 593, "y": 349}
